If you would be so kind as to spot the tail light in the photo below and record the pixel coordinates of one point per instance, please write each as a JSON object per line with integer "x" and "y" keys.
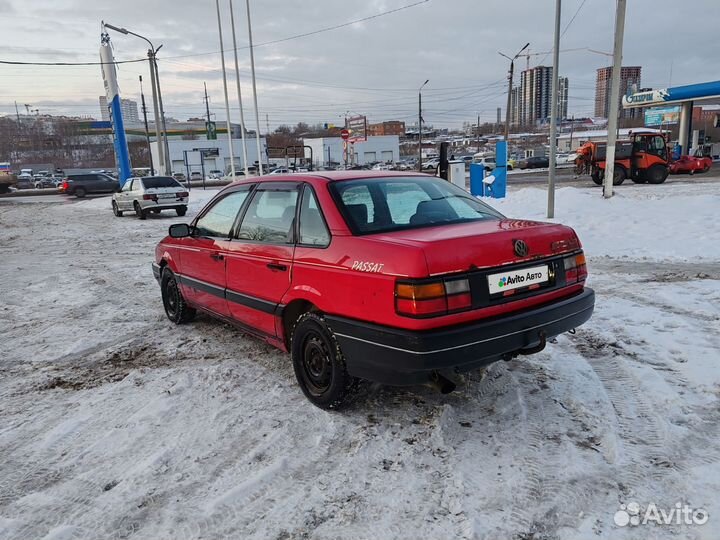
{"x": 64, "y": 186}
{"x": 148, "y": 197}
{"x": 182, "y": 194}
{"x": 575, "y": 268}
{"x": 432, "y": 298}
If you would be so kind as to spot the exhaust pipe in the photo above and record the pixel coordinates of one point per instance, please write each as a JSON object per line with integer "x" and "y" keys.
{"x": 441, "y": 383}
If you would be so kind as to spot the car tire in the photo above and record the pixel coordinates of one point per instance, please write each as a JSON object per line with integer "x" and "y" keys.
{"x": 176, "y": 308}
{"x": 657, "y": 174}
{"x": 319, "y": 364}
{"x": 597, "y": 178}
{"x": 116, "y": 210}
{"x": 181, "y": 210}
{"x": 79, "y": 192}
{"x": 139, "y": 212}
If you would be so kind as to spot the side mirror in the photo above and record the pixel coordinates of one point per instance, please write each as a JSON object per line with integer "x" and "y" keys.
{"x": 179, "y": 230}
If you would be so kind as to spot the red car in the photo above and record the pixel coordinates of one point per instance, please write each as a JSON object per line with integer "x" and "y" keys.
{"x": 690, "y": 164}
{"x": 398, "y": 278}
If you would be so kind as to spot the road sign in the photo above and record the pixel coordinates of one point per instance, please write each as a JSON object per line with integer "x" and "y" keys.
{"x": 358, "y": 128}
{"x": 345, "y": 134}
{"x": 211, "y": 131}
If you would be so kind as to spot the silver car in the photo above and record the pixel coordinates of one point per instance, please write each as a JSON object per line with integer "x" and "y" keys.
{"x": 150, "y": 194}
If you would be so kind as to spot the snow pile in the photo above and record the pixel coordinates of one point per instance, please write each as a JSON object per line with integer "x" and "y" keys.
{"x": 669, "y": 223}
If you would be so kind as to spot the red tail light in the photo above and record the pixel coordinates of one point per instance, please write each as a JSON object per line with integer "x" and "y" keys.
{"x": 575, "y": 268}
{"x": 182, "y": 194}
{"x": 147, "y": 197}
{"x": 432, "y": 298}
{"x": 65, "y": 185}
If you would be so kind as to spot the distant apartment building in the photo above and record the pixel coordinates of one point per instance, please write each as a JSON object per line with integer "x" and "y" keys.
{"x": 128, "y": 107}
{"x": 393, "y": 127}
{"x": 629, "y": 76}
{"x": 531, "y": 101}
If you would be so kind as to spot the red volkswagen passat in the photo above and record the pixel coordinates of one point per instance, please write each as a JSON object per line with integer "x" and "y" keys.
{"x": 399, "y": 278}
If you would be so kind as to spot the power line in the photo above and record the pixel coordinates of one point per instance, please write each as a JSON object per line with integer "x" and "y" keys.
{"x": 17, "y": 63}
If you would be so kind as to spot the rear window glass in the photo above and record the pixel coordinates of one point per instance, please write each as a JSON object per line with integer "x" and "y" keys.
{"x": 159, "y": 182}
{"x": 386, "y": 204}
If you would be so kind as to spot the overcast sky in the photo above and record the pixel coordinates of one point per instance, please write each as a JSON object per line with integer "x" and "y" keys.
{"x": 372, "y": 67}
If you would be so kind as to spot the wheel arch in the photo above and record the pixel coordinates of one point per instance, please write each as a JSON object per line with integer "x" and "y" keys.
{"x": 290, "y": 313}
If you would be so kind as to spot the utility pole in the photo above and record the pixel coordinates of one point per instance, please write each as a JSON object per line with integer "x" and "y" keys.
{"x": 207, "y": 103}
{"x": 227, "y": 103}
{"x": 478, "y": 133}
{"x": 614, "y": 99}
{"x": 554, "y": 113}
{"x": 17, "y": 113}
{"x": 420, "y": 121}
{"x": 147, "y": 131}
{"x": 239, "y": 92}
{"x": 166, "y": 146}
{"x": 252, "y": 70}
{"x": 572, "y": 129}
{"x": 510, "y": 83}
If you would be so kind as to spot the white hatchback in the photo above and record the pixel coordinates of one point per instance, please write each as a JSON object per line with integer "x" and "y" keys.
{"x": 150, "y": 194}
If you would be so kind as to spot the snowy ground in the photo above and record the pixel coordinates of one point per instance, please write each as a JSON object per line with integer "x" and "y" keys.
{"x": 115, "y": 423}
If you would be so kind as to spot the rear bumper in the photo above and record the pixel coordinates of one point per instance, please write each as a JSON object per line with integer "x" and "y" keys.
{"x": 162, "y": 204}
{"x": 403, "y": 357}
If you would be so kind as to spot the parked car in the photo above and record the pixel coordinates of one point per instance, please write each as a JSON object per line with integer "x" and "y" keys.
{"x": 535, "y": 162}
{"x": 215, "y": 174}
{"x": 280, "y": 170}
{"x": 398, "y": 278}
{"x": 489, "y": 162}
{"x": 565, "y": 159}
{"x": 47, "y": 182}
{"x": 150, "y": 194}
{"x": 179, "y": 176}
{"x": 690, "y": 165}
{"x": 196, "y": 175}
{"x": 430, "y": 164}
{"x": 84, "y": 184}
{"x": 24, "y": 183}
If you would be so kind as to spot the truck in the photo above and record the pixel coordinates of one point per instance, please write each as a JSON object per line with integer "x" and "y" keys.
{"x": 7, "y": 178}
{"x": 643, "y": 157}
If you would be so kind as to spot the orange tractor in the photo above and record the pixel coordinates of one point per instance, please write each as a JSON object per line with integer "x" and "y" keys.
{"x": 642, "y": 158}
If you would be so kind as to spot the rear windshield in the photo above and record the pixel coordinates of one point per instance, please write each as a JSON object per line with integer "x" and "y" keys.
{"x": 160, "y": 181}
{"x": 387, "y": 204}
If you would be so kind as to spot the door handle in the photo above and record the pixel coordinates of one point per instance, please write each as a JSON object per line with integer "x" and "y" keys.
{"x": 277, "y": 267}
{"x": 217, "y": 256}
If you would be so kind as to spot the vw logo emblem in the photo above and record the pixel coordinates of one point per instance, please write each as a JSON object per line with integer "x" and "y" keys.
{"x": 521, "y": 248}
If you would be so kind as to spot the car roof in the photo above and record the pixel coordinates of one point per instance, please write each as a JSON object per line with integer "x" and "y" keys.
{"x": 331, "y": 176}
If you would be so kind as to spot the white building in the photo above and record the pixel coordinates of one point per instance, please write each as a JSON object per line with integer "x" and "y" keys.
{"x": 190, "y": 149}
{"x": 327, "y": 150}
{"x": 128, "y": 107}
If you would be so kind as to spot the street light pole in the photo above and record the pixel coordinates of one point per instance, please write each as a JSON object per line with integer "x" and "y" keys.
{"x": 227, "y": 103}
{"x": 237, "y": 81}
{"x": 252, "y": 70}
{"x": 554, "y": 113}
{"x": 510, "y": 83}
{"x": 163, "y": 153}
{"x": 614, "y": 100}
{"x": 420, "y": 120}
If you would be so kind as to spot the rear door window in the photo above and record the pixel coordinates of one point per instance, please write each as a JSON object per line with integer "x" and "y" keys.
{"x": 359, "y": 204}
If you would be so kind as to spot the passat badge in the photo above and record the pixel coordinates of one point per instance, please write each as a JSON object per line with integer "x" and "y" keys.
{"x": 521, "y": 248}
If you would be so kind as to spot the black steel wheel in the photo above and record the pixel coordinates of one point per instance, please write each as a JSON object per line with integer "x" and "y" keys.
{"x": 319, "y": 364}
{"x": 116, "y": 210}
{"x": 175, "y": 306}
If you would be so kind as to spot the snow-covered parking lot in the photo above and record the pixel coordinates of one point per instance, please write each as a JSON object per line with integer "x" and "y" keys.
{"x": 114, "y": 423}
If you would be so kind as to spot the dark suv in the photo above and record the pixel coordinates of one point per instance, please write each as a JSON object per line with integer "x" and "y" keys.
{"x": 83, "y": 184}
